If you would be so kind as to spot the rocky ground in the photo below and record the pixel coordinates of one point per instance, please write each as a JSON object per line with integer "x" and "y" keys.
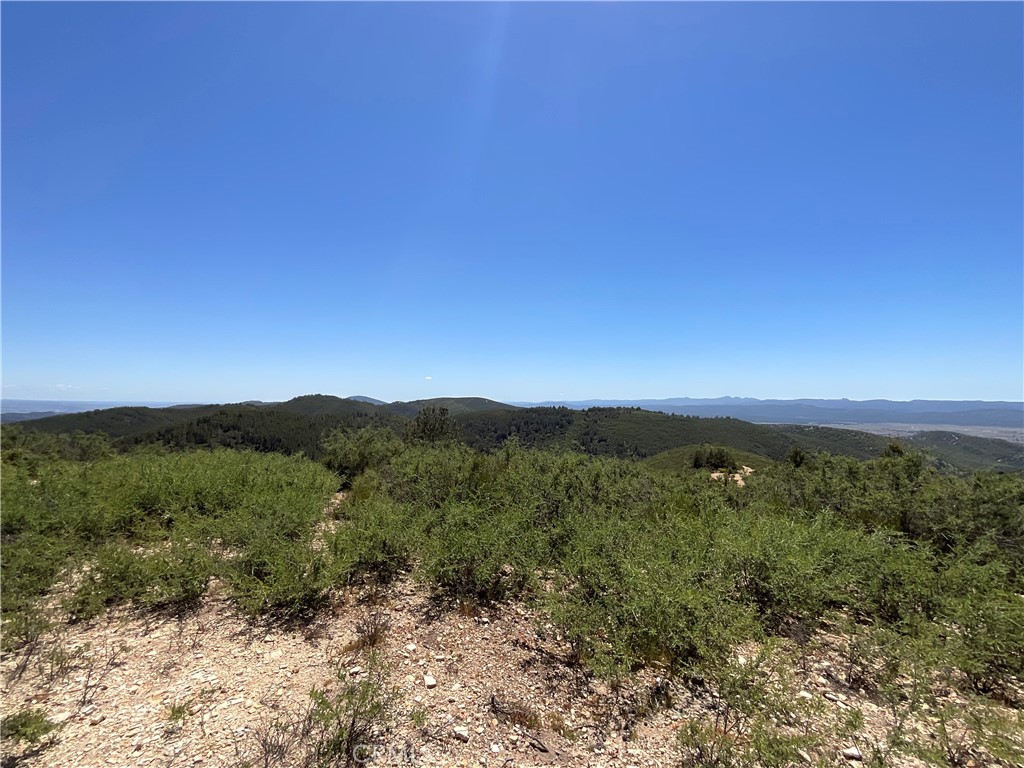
{"x": 474, "y": 687}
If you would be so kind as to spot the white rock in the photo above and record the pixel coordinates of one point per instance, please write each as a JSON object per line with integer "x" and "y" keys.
{"x": 852, "y": 753}
{"x": 461, "y": 733}
{"x": 429, "y": 681}
{"x": 495, "y": 748}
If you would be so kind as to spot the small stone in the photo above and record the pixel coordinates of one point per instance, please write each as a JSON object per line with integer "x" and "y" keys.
{"x": 429, "y": 681}
{"x": 805, "y": 695}
{"x": 461, "y": 733}
{"x": 97, "y": 720}
{"x": 410, "y": 647}
{"x": 804, "y": 756}
{"x": 355, "y": 670}
{"x": 852, "y": 753}
{"x": 495, "y": 748}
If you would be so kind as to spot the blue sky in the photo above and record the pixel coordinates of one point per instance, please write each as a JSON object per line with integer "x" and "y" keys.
{"x": 231, "y": 201}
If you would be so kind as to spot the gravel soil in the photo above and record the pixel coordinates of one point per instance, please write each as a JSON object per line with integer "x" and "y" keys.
{"x": 475, "y": 687}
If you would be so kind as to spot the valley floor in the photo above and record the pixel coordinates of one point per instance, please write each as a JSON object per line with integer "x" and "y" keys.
{"x": 899, "y": 429}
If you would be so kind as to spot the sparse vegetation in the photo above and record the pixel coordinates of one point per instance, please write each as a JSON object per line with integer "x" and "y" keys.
{"x": 752, "y": 721}
{"x": 337, "y": 729}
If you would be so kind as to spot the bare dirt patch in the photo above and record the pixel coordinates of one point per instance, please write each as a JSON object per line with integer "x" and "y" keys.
{"x": 474, "y": 687}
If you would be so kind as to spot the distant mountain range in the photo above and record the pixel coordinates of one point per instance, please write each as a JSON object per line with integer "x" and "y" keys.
{"x": 12, "y": 409}
{"x": 977, "y": 413}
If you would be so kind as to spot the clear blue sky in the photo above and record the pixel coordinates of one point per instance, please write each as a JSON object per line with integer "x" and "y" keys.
{"x": 230, "y": 201}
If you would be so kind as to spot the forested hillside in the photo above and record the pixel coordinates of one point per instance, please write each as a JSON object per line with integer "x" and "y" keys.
{"x": 456, "y": 406}
{"x": 118, "y": 422}
{"x": 301, "y": 423}
{"x": 967, "y": 452}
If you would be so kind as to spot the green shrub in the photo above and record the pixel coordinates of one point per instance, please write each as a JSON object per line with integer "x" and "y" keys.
{"x": 288, "y": 578}
{"x": 352, "y": 452}
{"x": 172, "y": 575}
{"x": 988, "y": 644}
{"x": 150, "y": 528}
{"x": 469, "y": 550}
{"x": 379, "y": 538}
{"x": 26, "y": 725}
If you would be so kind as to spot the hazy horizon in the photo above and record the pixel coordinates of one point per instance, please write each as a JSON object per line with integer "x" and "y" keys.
{"x": 510, "y": 401}
{"x": 523, "y": 202}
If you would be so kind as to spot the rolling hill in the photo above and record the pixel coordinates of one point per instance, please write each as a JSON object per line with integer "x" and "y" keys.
{"x": 456, "y": 406}
{"x": 637, "y": 433}
{"x": 299, "y": 425}
{"x": 119, "y": 422}
{"x": 320, "y": 405}
{"x": 969, "y": 453}
{"x": 681, "y": 459}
